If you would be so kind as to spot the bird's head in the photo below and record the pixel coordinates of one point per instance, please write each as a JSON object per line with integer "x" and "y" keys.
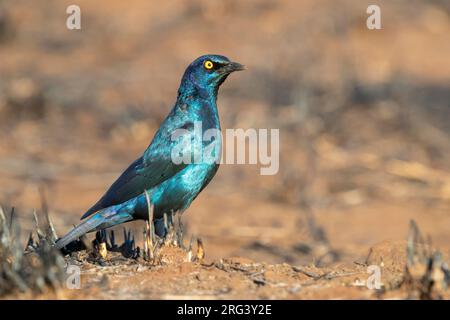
{"x": 208, "y": 72}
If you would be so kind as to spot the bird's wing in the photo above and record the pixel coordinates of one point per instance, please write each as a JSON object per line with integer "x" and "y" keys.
{"x": 154, "y": 167}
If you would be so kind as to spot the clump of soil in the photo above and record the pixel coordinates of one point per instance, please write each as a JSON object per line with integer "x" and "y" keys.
{"x": 35, "y": 270}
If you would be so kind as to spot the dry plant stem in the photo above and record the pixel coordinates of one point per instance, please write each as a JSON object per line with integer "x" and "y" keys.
{"x": 189, "y": 250}
{"x": 149, "y": 238}
{"x": 180, "y": 231}
{"x": 426, "y": 274}
{"x": 39, "y": 266}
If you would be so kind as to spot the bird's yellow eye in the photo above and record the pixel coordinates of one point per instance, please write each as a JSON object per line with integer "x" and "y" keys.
{"x": 208, "y": 65}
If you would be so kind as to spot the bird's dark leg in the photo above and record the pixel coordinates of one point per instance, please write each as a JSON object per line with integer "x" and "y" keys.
{"x": 161, "y": 228}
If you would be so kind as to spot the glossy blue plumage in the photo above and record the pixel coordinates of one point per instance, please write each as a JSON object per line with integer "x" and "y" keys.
{"x": 172, "y": 186}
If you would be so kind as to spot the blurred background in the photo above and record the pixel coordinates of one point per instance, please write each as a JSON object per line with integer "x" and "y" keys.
{"x": 363, "y": 116}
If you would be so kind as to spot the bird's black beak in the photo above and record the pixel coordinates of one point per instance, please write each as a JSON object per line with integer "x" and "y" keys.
{"x": 232, "y": 67}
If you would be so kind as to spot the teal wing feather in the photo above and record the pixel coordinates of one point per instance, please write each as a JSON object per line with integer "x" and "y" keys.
{"x": 154, "y": 167}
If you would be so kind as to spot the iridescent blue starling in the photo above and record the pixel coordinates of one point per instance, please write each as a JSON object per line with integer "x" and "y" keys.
{"x": 171, "y": 185}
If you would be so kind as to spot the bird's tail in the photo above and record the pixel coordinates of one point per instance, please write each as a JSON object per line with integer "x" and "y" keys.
{"x": 102, "y": 219}
{"x": 80, "y": 230}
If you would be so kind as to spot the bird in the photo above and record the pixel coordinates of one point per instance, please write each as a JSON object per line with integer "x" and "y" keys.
{"x": 158, "y": 178}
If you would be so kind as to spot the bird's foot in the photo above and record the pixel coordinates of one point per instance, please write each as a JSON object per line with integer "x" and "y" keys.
{"x": 170, "y": 229}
